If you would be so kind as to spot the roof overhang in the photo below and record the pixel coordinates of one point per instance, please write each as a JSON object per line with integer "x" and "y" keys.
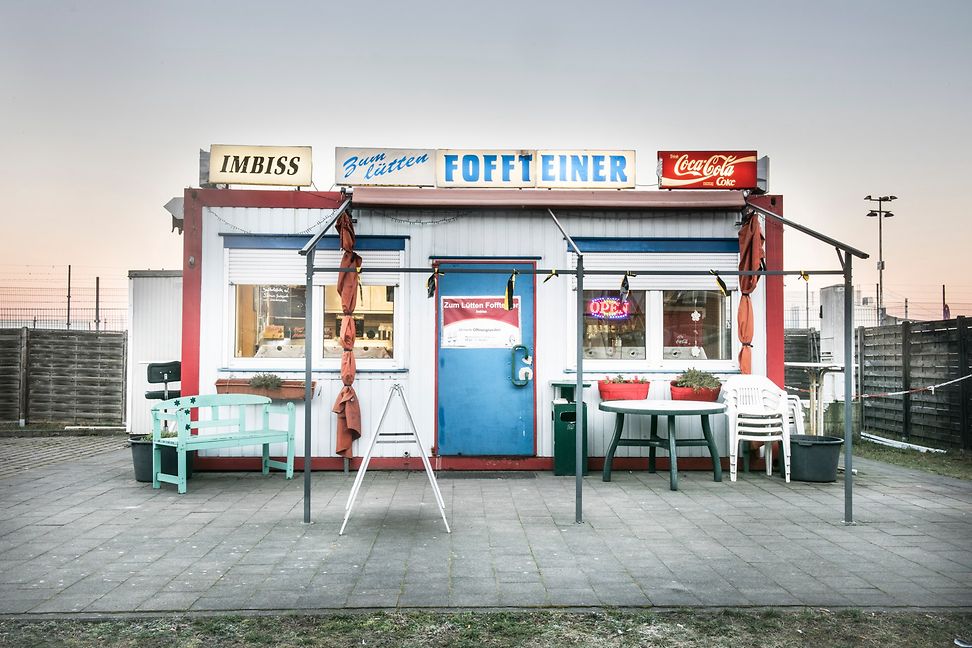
{"x": 543, "y": 199}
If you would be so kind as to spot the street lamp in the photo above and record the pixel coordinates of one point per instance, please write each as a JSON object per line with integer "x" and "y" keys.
{"x": 881, "y": 214}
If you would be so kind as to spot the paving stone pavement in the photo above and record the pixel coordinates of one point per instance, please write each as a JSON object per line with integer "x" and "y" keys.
{"x": 82, "y": 537}
{"x": 21, "y": 454}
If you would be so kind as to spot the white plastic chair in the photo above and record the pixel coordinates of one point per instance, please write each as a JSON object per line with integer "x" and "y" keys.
{"x": 759, "y": 411}
{"x": 796, "y": 415}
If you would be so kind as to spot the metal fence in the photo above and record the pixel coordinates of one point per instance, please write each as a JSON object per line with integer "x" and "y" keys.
{"x": 45, "y": 300}
{"x": 799, "y": 345}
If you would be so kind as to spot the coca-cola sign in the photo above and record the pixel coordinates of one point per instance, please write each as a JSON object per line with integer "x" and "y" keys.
{"x": 707, "y": 169}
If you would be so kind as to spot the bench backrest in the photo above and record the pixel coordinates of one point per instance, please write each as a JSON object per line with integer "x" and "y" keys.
{"x": 180, "y": 410}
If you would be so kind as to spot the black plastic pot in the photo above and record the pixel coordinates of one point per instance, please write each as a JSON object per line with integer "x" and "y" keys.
{"x": 814, "y": 458}
{"x": 142, "y": 461}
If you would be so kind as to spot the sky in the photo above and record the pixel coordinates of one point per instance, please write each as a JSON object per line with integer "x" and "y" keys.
{"x": 105, "y": 106}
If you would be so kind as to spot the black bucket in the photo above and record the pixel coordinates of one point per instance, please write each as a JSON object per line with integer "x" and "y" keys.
{"x": 814, "y": 458}
{"x": 142, "y": 461}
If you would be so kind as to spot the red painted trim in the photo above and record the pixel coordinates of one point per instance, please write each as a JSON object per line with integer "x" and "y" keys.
{"x": 268, "y": 199}
{"x": 195, "y": 201}
{"x": 435, "y": 377}
{"x": 490, "y": 261}
{"x": 774, "y": 288}
{"x": 539, "y": 464}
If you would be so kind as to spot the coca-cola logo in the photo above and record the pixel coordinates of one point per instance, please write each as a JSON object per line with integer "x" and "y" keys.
{"x": 707, "y": 169}
{"x": 716, "y": 165}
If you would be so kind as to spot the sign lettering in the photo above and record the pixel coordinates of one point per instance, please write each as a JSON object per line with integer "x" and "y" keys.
{"x": 707, "y": 169}
{"x": 260, "y": 165}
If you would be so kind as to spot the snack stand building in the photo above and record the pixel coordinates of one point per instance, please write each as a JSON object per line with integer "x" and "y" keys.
{"x": 479, "y": 376}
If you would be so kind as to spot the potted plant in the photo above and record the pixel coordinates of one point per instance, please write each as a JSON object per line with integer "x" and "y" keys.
{"x": 621, "y": 388}
{"x": 264, "y": 384}
{"x": 697, "y": 385}
{"x": 142, "y": 457}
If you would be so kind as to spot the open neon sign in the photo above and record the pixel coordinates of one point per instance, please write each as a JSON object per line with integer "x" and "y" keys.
{"x": 609, "y": 308}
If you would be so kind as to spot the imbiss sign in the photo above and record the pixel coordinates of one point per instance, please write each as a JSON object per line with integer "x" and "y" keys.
{"x": 260, "y": 165}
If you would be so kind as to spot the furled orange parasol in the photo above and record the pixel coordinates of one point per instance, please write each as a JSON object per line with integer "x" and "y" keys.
{"x": 751, "y": 259}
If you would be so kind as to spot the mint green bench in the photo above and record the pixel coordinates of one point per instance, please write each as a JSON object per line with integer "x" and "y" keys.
{"x": 232, "y": 431}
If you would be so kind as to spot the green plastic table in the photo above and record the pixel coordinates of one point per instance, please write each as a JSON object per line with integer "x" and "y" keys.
{"x": 671, "y": 409}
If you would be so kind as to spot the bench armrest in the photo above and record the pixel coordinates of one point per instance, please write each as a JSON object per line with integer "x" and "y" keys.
{"x": 289, "y": 409}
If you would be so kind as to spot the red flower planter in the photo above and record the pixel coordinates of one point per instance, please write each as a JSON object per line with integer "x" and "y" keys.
{"x": 622, "y": 391}
{"x": 689, "y": 394}
{"x": 288, "y": 390}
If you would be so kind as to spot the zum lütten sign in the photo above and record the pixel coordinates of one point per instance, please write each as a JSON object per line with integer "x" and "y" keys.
{"x": 707, "y": 170}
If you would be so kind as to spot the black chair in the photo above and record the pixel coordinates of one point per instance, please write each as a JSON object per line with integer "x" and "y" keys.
{"x": 164, "y": 372}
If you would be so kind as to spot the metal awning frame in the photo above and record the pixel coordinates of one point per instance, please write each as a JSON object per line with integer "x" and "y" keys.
{"x": 845, "y": 254}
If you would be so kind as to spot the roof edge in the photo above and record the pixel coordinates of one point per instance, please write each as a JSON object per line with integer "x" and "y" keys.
{"x": 544, "y": 198}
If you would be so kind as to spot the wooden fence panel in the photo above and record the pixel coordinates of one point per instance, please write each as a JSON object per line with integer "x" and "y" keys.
{"x": 881, "y": 374}
{"x": 11, "y": 371}
{"x": 915, "y": 355}
{"x": 76, "y": 376}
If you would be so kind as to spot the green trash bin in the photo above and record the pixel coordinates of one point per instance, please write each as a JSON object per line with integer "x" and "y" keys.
{"x": 565, "y": 445}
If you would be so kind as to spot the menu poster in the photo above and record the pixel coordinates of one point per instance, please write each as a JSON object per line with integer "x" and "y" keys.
{"x": 479, "y": 323}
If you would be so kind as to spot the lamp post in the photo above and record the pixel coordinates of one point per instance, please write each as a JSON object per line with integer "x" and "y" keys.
{"x": 881, "y": 214}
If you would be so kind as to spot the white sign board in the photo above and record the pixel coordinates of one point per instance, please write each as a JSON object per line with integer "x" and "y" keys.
{"x": 384, "y": 167}
{"x": 479, "y": 323}
{"x": 260, "y": 165}
{"x": 585, "y": 169}
{"x": 544, "y": 169}
{"x": 507, "y": 168}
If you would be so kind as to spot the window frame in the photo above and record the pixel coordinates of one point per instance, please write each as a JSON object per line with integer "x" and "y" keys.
{"x": 654, "y": 341}
{"x": 230, "y": 362}
{"x": 661, "y": 253}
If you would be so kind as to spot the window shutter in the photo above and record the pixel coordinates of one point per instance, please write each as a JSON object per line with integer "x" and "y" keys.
{"x": 286, "y": 267}
{"x": 718, "y": 261}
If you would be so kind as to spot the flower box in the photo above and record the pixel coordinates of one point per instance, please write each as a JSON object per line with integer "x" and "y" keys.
{"x": 288, "y": 390}
{"x": 695, "y": 385}
{"x": 695, "y": 394}
{"x": 610, "y": 390}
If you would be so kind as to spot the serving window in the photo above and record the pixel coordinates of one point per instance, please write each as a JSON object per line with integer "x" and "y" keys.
{"x": 374, "y": 323}
{"x": 664, "y": 321}
{"x": 694, "y": 325}
{"x": 270, "y": 321}
{"x": 266, "y": 308}
{"x": 614, "y": 327}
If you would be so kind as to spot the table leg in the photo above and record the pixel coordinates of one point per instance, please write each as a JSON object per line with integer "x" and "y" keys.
{"x": 609, "y": 456}
{"x": 713, "y": 449}
{"x": 652, "y": 448}
{"x": 820, "y": 404}
{"x": 813, "y": 403}
{"x": 672, "y": 461}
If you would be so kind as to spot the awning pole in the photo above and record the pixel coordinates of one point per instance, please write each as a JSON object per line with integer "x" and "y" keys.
{"x": 308, "y": 389}
{"x": 579, "y": 420}
{"x": 308, "y": 251}
{"x": 848, "y": 388}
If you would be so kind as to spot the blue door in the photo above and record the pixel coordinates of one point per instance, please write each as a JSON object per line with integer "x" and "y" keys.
{"x": 485, "y": 395}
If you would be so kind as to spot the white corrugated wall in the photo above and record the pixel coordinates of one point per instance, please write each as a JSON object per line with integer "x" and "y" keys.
{"x": 155, "y": 335}
{"x": 457, "y": 233}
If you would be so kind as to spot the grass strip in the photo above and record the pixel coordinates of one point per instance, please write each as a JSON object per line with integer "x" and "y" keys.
{"x": 769, "y": 628}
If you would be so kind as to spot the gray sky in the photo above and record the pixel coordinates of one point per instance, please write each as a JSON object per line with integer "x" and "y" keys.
{"x": 105, "y": 105}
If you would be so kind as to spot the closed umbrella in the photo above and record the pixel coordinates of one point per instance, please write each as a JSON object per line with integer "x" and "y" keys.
{"x": 750, "y": 259}
{"x": 346, "y": 406}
